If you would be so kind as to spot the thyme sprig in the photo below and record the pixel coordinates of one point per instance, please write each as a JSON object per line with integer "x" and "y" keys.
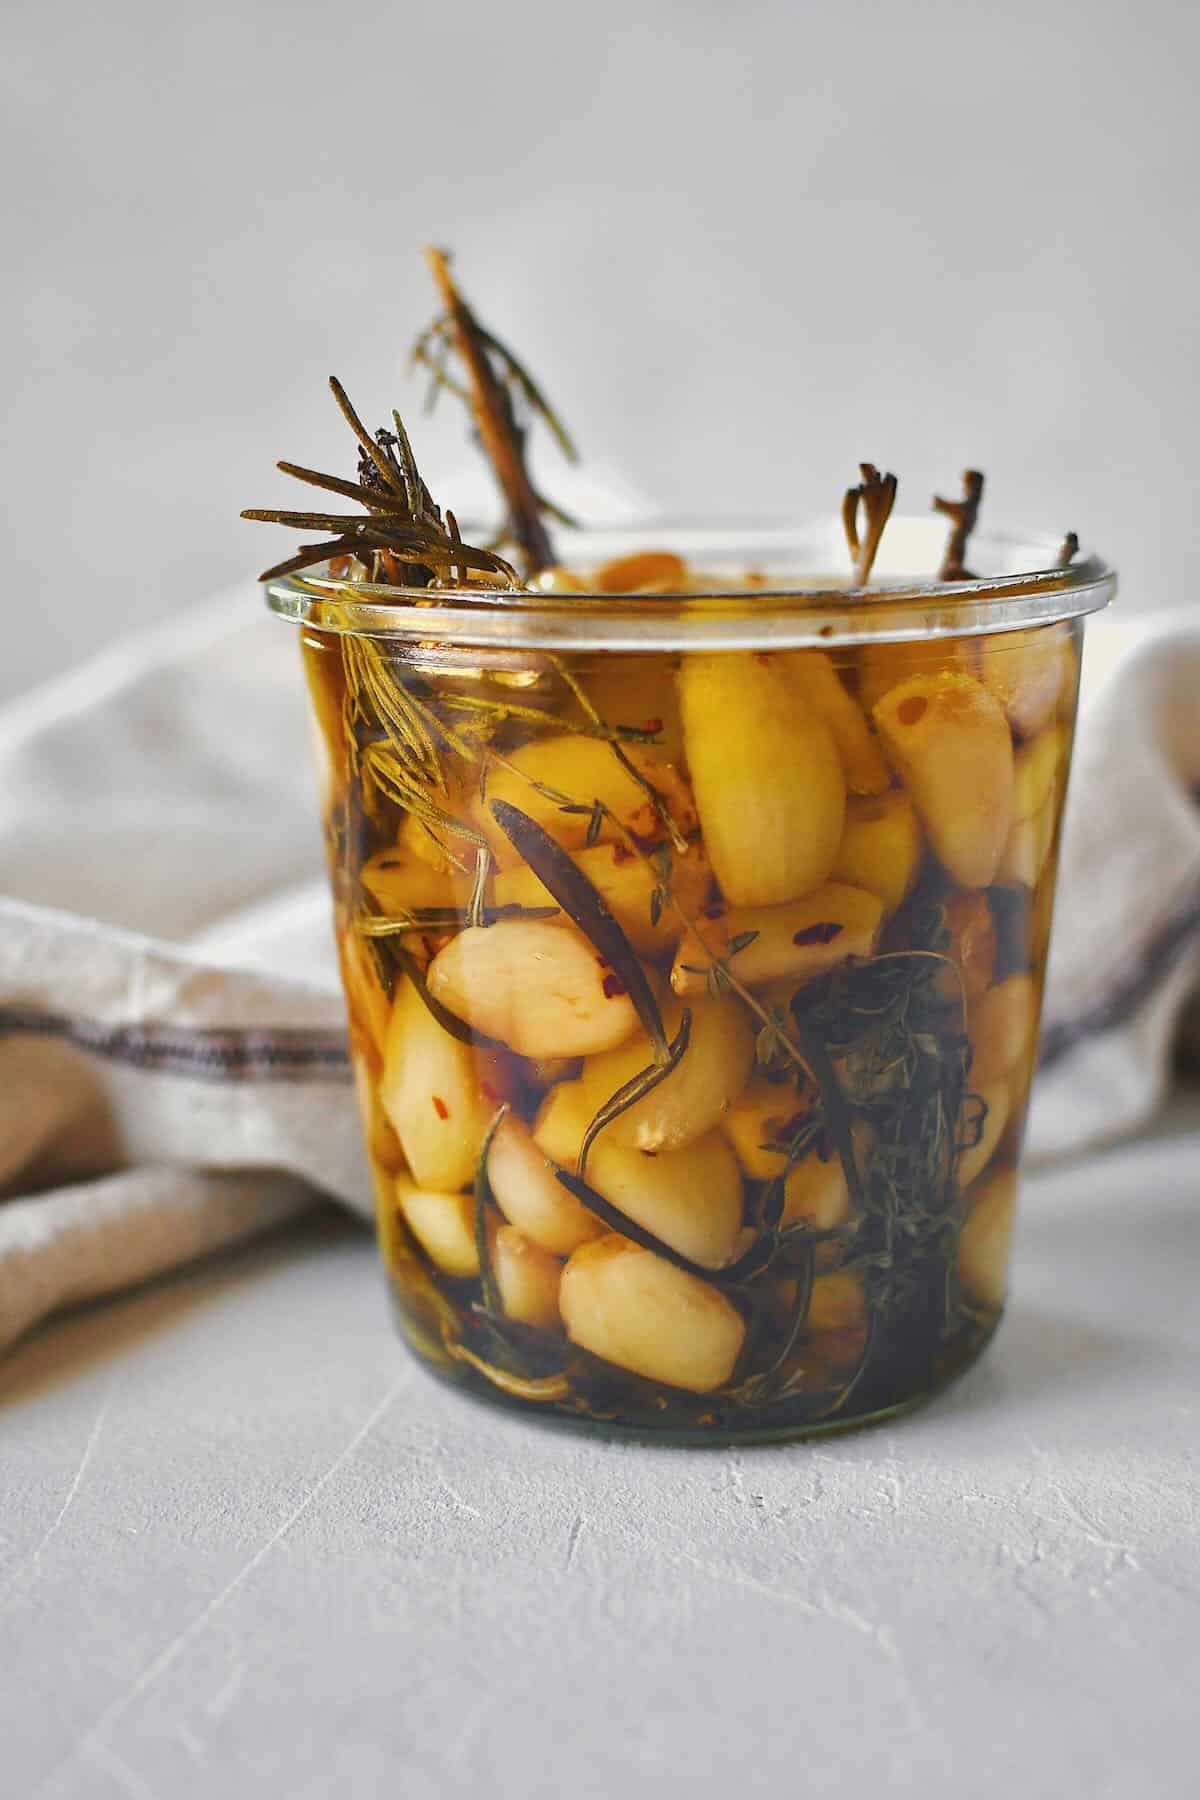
{"x": 962, "y": 515}
{"x": 874, "y": 497}
{"x": 402, "y": 537}
{"x": 1068, "y": 551}
{"x": 495, "y": 384}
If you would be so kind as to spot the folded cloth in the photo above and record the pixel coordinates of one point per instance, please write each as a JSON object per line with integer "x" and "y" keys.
{"x": 173, "y": 1074}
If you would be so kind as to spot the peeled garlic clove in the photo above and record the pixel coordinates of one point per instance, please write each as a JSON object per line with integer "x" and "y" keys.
{"x": 863, "y": 762}
{"x": 443, "y": 1224}
{"x": 975, "y": 1159}
{"x": 838, "y": 1302}
{"x": 1036, "y": 768}
{"x": 1024, "y": 670}
{"x": 691, "y": 1199}
{"x": 587, "y": 771}
{"x": 986, "y": 1239}
{"x": 529, "y": 1194}
{"x": 881, "y": 847}
{"x": 1026, "y": 849}
{"x": 759, "y": 1124}
{"x": 766, "y": 775}
{"x": 538, "y": 987}
{"x": 527, "y": 1277}
{"x": 793, "y": 942}
{"x": 690, "y": 1101}
{"x": 660, "y": 570}
{"x": 1002, "y": 1024}
{"x": 638, "y": 691}
{"x": 632, "y": 1308}
{"x": 367, "y": 1005}
{"x": 815, "y": 1193}
{"x": 949, "y": 742}
{"x": 433, "y": 1092}
{"x": 882, "y": 667}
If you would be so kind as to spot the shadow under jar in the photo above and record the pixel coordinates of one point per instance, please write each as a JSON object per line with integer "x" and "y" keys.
{"x": 693, "y": 945}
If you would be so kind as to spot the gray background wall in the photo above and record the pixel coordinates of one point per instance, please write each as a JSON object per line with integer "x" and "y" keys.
{"x": 743, "y": 246}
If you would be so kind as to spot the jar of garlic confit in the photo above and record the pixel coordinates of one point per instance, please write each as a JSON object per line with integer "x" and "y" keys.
{"x": 693, "y": 914}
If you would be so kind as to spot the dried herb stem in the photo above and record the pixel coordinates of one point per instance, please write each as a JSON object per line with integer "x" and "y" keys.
{"x": 962, "y": 515}
{"x": 874, "y": 497}
{"x": 491, "y": 404}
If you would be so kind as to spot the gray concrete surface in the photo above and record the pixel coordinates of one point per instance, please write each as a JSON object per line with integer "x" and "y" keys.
{"x": 743, "y": 248}
{"x": 248, "y": 1549}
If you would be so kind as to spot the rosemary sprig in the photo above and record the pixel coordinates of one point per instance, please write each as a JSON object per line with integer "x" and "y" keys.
{"x": 581, "y": 901}
{"x": 875, "y": 497}
{"x": 402, "y": 536}
{"x": 733, "y": 1275}
{"x": 962, "y": 515}
{"x": 493, "y": 380}
{"x": 635, "y": 1089}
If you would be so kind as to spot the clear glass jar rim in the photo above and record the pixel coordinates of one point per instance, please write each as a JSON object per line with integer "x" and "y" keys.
{"x": 794, "y": 608}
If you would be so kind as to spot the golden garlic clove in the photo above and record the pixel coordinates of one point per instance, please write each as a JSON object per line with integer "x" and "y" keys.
{"x": 766, "y": 774}
{"x": 815, "y": 1193}
{"x": 632, "y": 1308}
{"x": 443, "y": 1224}
{"x": 434, "y": 1092}
{"x": 691, "y": 1100}
{"x": 691, "y": 1199}
{"x": 527, "y": 1277}
{"x": 759, "y": 1124}
{"x": 587, "y": 771}
{"x": 863, "y": 762}
{"x": 881, "y": 847}
{"x": 949, "y": 742}
{"x": 537, "y": 986}
{"x": 627, "y": 885}
{"x": 1025, "y": 670}
{"x": 794, "y": 942}
{"x": 530, "y": 1195}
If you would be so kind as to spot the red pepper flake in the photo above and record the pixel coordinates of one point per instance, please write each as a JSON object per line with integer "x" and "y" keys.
{"x": 824, "y": 933}
{"x": 613, "y": 985}
{"x": 440, "y": 1107}
{"x": 622, "y": 854}
{"x": 653, "y": 726}
{"x": 489, "y": 1092}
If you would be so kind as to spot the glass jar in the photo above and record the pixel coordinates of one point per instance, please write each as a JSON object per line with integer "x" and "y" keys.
{"x": 693, "y": 946}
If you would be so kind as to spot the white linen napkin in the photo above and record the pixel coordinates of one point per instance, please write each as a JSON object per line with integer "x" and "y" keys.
{"x": 173, "y": 1074}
